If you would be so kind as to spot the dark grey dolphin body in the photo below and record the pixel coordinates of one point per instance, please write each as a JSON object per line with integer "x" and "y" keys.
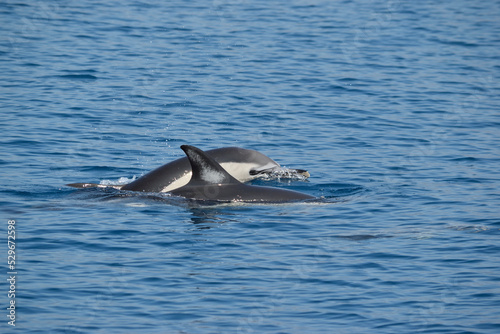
{"x": 211, "y": 182}
{"x": 242, "y": 164}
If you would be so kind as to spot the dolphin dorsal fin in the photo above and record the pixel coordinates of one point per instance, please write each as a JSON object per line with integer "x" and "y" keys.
{"x": 205, "y": 169}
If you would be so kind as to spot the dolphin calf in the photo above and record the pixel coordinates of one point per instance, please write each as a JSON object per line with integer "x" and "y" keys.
{"x": 242, "y": 164}
{"x": 211, "y": 182}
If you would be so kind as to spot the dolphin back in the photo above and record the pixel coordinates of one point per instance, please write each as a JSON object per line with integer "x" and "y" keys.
{"x": 161, "y": 177}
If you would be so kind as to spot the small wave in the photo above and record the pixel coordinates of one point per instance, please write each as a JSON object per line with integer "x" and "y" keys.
{"x": 286, "y": 173}
{"x": 476, "y": 228}
{"x": 120, "y": 181}
{"x": 78, "y": 76}
{"x": 363, "y": 237}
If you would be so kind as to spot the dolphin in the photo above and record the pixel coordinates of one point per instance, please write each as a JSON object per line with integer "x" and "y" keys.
{"x": 211, "y": 182}
{"x": 243, "y": 164}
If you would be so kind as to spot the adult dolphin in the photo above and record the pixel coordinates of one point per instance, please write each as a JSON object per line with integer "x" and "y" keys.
{"x": 242, "y": 164}
{"x": 211, "y": 182}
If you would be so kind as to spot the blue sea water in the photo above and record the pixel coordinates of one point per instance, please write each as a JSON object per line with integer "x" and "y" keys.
{"x": 392, "y": 106}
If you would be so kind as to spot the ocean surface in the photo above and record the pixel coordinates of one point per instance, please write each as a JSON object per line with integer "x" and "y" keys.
{"x": 392, "y": 106}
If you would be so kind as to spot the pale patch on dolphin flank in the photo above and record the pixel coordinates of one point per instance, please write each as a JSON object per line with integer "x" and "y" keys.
{"x": 239, "y": 170}
{"x": 180, "y": 182}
